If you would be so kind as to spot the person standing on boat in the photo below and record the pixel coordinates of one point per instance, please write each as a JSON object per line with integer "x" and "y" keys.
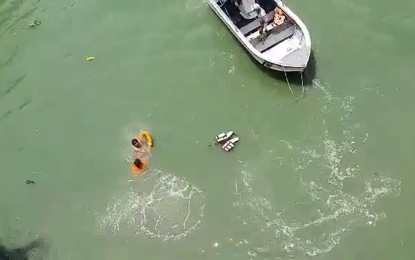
{"x": 262, "y": 18}
{"x": 249, "y": 9}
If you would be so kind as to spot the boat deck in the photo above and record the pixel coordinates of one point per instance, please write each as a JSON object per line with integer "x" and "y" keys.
{"x": 252, "y": 26}
{"x": 275, "y": 36}
{"x": 247, "y": 26}
{"x": 284, "y": 45}
{"x": 284, "y": 49}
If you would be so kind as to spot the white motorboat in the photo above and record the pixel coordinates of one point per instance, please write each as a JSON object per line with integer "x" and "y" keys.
{"x": 283, "y": 47}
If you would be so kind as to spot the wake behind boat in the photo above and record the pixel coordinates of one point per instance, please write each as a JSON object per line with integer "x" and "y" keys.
{"x": 285, "y": 44}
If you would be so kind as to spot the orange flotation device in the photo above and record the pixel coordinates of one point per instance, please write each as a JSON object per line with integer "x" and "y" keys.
{"x": 137, "y": 170}
{"x": 147, "y": 136}
{"x": 144, "y": 134}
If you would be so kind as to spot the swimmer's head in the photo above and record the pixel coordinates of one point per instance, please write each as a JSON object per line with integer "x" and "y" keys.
{"x": 135, "y": 143}
{"x": 138, "y": 163}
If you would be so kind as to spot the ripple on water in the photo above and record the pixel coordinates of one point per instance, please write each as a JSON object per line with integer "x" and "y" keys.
{"x": 336, "y": 210}
{"x": 162, "y": 206}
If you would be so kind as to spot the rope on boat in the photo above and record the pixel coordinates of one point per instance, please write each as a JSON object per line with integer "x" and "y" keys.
{"x": 291, "y": 90}
{"x": 302, "y": 85}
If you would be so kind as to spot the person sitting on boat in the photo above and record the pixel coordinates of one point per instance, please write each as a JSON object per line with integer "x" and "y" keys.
{"x": 279, "y": 16}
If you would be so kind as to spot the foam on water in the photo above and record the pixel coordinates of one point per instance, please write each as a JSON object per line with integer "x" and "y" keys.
{"x": 324, "y": 172}
{"x": 161, "y": 206}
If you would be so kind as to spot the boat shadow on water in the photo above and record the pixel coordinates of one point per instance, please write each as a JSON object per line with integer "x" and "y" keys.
{"x": 294, "y": 78}
{"x": 29, "y": 251}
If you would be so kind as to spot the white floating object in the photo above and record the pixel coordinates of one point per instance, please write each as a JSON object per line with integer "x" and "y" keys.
{"x": 229, "y": 145}
{"x": 224, "y": 136}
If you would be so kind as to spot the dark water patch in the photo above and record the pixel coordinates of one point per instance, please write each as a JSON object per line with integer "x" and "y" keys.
{"x": 12, "y": 85}
{"x": 21, "y": 18}
{"x": 19, "y": 108}
{"x": 7, "y": 14}
{"x": 11, "y": 20}
{"x": 10, "y": 112}
{"x": 25, "y": 104}
{"x": 29, "y": 251}
{"x": 70, "y": 5}
{"x": 10, "y": 59}
{"x": 35, "y": 23}
{"x": 5, "y": 115}
{"x": 21, "y": 148}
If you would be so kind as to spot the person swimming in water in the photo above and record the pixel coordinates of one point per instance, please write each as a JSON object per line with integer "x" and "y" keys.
{"x": 138, "y": 166}
{"x": 141, "y": 155}
{"x": 140, "y": 150}
{"x": 136, "y": 144}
